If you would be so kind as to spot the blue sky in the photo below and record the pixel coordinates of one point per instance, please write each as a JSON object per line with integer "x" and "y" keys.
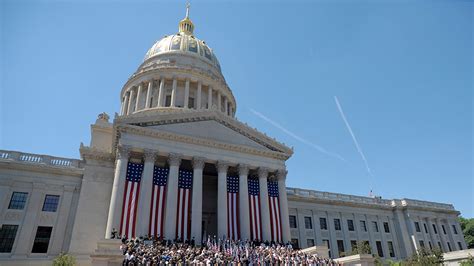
{"x": 402, "y": 71}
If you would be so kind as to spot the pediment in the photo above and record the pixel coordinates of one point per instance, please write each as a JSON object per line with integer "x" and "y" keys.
{"x": 209, "y": 130}
{"x": 203, "y": 125}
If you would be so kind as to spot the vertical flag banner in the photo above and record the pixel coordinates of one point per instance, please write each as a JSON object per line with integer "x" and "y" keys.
{"x": 183, "y": 219}
{"x": 233, "y": 207}
{"x": 158, "y": 197}
{"x": 130, "y": 199}
{"x": 254, "y": 208}
{"x": 274, "y": 204}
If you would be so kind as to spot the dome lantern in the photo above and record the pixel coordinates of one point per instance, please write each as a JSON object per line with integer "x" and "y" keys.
{"x": 186, "y": 26}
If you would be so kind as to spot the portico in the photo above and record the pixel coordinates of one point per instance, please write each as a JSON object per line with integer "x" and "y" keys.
{"x": 151, "y": 158}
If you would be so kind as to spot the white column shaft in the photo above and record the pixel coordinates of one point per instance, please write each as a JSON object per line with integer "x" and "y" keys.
{"x": 226, "y": 110}
{"x": 146, "y": 187}
{"x": 186, "y": 94}
{"x": 148, "y": 94}
{"x": 244, "y": 211}
{"x": 172, "y": 198}
{"x": 285, "y": 218}
{"x": 199, "y": 92}
{"x": 196, "y": 214}
{"x": 209, "y": 98}
{"x": 130, "y": 101}
{"x": 173, "y": 93}
{"x": 139, "y": 98}
{"x": 161, "y": 92}
{"x": 219, "y": 104}
{"x": 116, "y": 198}
{"x": 264, "y": 211}
{"x": 222, "y": 200}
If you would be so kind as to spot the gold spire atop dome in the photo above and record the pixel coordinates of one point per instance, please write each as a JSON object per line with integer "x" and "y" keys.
{"x": 186, "y": 26}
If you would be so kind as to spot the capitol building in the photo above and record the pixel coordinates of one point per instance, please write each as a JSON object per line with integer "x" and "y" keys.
{"x": 175, "y": 162}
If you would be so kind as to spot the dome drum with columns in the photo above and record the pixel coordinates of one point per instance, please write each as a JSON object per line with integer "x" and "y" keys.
{"x": 179, "y": 72}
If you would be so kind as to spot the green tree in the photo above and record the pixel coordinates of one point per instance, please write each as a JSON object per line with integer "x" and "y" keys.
{"x": 425, "y": 257}
{"x": 362, "y": 247}
{"x": 64, "y": 260}
{"x": 467, "y": 226}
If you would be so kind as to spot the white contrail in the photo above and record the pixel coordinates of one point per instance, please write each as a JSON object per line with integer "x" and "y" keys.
{"x": 353, "y": 136}
{"x": 307, "y": 142}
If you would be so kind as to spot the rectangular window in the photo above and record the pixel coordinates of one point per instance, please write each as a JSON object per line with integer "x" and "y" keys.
{"x": 367, "y": 244}
{"x": 292, "y": 221}
{"x": 375, "y": 226}
{"x": 426, "y": 228}
{"x": 294, "y": 243}
{"x": 18, "y": 200}
{"x": 308, "y": 223}
{"x": 363, "y": 226}
{"x": 439, "y": 246}
{"x": 322, "y": 224}
{"x": 326, "y": 243}
{"x": 43, "y": 234}
{"x": 310, "y": 242}
{"x": 168, "y": 101}
{"x": 337, "y": 224}
{"x": 353, "y": 244}
{"x": 435, "y": 229}
{"x": 386, "y": 228}
{"x": 340, "y": 247}
{"x": 379, "y": 248}
{"x": 350, "y": 225}
{"x": 391, "y": 250}
{"x": 50, "y": 203}
{"x": 7, "y": 237}
{"x": 429, "y": 243}
{"x": 191, "y": 102}
{"x": 460, "y": 245}
{"x": 449, "y": 246}
{"x": 444, "y": 229}
{"x": 417, "y": 227}
{"x": 422, "y": 244}
{"x": 455, "y": 229}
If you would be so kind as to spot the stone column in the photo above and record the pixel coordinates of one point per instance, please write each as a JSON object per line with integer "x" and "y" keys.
{"x": 209, "y": 98}
{"x": 244, "y": 211}
{"x": 130, "y": 101}
{"x": 196, "y": 214}
{"x": 139, "y": 96}
{"x": 146, "y": 187}
{"x": 116, "y": 198}
{"x": 219, "y": 104}
{"x": 186, "y": 94}
{"x": 122, "y": 105}
{"x": 125, "y": 104}
{"x": 285, "y": 217}
{"x": 222, "y": 199}
{"x": 264, "y": 209}
{"x": 226, "y": 110}
{"x": 174, "y": 92}
{"x": 199, "y": 91}
{"x": 148, "y": 94}
{"x": 161, "y": 92}
{"x": 174, "y": 161}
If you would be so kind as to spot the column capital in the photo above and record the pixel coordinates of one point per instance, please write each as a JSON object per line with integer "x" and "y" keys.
{"x": 262, "y": 172}
{"x": 174, "y": 159}
{"x": 281, "y": 174}
{"x": 243, "y": 169}
{"x": 150, "y": 155}
{"x": 222, "y": 166}
{"x": 198, "y": 162}
{"x": 123, "y": 151}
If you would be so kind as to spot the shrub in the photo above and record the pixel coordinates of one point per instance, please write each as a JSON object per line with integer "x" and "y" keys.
{"x": 64, "y": 260}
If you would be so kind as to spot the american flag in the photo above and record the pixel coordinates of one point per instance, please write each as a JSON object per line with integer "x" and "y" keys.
{"x": 130, "y": 199}
{"x": 185, "y": 184}
{"x": 254, "y": 202}
{"x": 158, "y": 197}
{"x": 233, "y": 207}
{"x": 274, "y": 204}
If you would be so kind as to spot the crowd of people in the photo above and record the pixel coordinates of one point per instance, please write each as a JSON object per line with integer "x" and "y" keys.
{"x": 153, "y": 251}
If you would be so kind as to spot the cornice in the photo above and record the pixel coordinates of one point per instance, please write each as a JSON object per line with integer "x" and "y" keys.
{"x": 88, "y": 153}
{"x": 162, "y": 116}
{"x": 13, "y": 165}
